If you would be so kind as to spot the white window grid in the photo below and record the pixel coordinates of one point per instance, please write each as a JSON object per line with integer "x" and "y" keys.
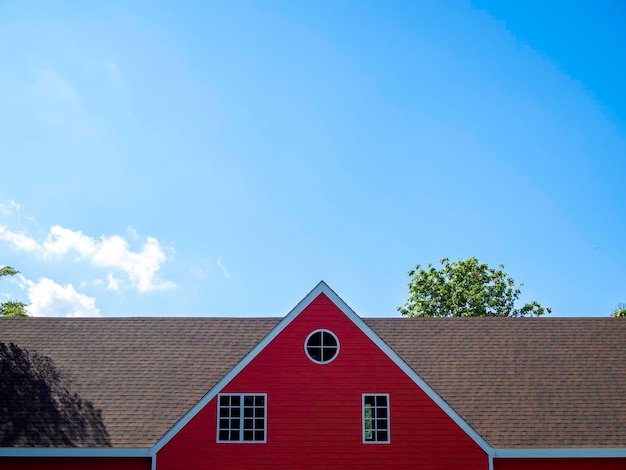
{"x": 242, "y": 417}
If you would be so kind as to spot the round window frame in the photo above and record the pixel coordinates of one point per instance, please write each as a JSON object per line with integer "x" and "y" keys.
{"x": 322, "y": 331}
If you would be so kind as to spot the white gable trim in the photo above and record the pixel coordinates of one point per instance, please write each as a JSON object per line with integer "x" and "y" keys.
{"x": 321, "y": 287}
{"x": 71, "y": 452}
{"x": 559, "y": 453}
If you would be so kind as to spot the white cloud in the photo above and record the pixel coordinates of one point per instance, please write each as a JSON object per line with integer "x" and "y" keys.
{"x": 220, "y": 264}
{"x": 141, "y": 267}
{"x": 49, "y": 299}
{"x": 112, "y": 283}
{"x": 62, "y": 240}
{"x": 18, "y": 240}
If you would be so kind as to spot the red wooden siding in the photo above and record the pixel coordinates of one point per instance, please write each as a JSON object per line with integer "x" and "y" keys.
{"x": 559, "y": 464}
{"x": 314, "y": 415}
{"x": 74, "y": 463}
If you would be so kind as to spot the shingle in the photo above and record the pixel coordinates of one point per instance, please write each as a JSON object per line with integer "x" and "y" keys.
{"x": 523, "y": 382}
{"x": 520, "y": 383}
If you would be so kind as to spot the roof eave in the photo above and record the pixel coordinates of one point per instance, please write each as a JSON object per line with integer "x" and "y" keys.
{"x": 73, "y": 452}
{"x": 576, "y": 453}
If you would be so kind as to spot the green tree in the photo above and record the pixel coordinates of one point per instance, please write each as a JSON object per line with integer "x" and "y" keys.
{"x": 465, "y": 288}
{"x": 620, "y": 311}
{"x": 11, "y": 308}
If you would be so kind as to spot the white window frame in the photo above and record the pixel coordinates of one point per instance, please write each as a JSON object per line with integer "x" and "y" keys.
{"x": 366, "y": 441}
{"x": 322, "y": 331}
{"x": 241, "y": 418}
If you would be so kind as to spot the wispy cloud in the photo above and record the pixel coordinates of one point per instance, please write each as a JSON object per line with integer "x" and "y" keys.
{"x": 113, "y": 71}
{"x": 53, "y": 87}
{"x": 47, "y": 298}
{"x": 51, "y": 99}
{"x": 141, "y": 267}
{"x": 10, "y": 208}
{"x": 220, "y": 264}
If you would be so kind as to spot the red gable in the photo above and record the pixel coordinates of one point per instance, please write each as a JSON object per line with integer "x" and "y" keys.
{"x": 315, "y": 411}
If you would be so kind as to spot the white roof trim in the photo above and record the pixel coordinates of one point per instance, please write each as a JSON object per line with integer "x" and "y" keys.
{"x": 72, "y": 452}
{"x": 322, "y": 287}
{"x": 559, "y": 453}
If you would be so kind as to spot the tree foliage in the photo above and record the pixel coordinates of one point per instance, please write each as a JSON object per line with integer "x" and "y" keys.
{"x": 465, "y": 288}
{"x": 11, "y": 308}
{"x": 620, "y": 311}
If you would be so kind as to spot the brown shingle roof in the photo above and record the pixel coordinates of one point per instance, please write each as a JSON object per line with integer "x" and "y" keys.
{"x": 144, "y": 374}
{"x": 523, "y": 382}
{"x": 520, "y": 383}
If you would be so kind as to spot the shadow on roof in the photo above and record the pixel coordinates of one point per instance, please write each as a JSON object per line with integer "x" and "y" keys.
{"x": 39, "y": 408}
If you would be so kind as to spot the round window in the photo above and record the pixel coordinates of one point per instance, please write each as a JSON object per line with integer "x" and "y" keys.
{"x": 321, "y": 346}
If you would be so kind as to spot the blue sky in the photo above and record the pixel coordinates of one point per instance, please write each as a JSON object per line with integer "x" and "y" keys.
{"x": 220, "y": 158}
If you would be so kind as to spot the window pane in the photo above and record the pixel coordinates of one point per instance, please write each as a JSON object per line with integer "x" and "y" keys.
{"x": 381, "y": 400}
{"x": 235, "y": 412}
{"x": 381, "y": 413}
{"x": 315, "y": 339}
{"x": 328, "y": 353}
{"x": 224, "y": 400}
{"x": 248, "y": 435}
{"x": 234, "y": 423}
{"x": 234, "y": 436}
{"x": 223, "y": 423}
{"x": 382, "y": 436}
{"x": 258, "y": 424}
{"x": 315, "y": 353}
{"x": 259, "y": 435}
{"x": 259, "y": 412}
{"x": 224, "y": 435}
{"x": 329, "y": 340}
{"x": 369, "y": 400}
{"x": 259, "y": 400}
{"x": 248, "y": 412}
{"x": 235, "y": 400}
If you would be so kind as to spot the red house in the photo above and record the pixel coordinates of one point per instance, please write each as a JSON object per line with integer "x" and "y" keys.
{"x": 319, "y": 388}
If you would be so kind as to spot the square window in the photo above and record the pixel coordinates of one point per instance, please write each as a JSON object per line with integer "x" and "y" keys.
{"x": 241, "y": 418}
